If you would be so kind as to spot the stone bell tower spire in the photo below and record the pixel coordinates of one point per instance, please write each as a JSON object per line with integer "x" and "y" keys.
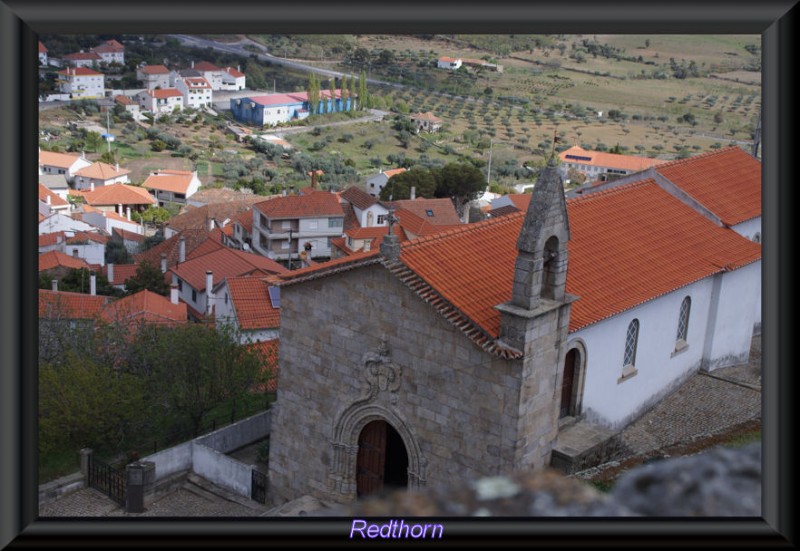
{"x": 536, "y": 319}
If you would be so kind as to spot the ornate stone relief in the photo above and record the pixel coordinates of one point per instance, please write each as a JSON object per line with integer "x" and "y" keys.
{"x": 381, "y": 373}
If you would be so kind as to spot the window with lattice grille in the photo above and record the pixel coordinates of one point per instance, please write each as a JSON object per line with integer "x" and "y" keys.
{"x": 683, "y": 319}
{"x": 631, "y": 340}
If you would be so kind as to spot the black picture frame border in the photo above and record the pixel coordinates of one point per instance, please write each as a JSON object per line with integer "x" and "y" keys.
{"x": 21, "y": 21}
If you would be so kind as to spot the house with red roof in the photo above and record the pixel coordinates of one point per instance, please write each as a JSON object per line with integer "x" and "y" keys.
{"x": 61, "y": 222}
{"x": 426, "y": 122}
{"x": 83, "y": 59}
{"x": 472, "y": 350}
{"x": 81, "y": 83}
{"x": 100, "y": 174}
{"x": 250, "y": 306}
{"x": 145, "y": 307}
{"x": 172, "y": 186}
{"x": 376, "y": 183}
{"x": 110, "y": 51}
{"x": 154, "y": 76}
{"x": 53, "y": 202}
{"x": 597, "y": 165}
{"x": 42, "y": 54}
{"x": 283, "y": 226}
{"x": 67, "y": 164}
{"x": 108, "y": 220}
{"x": 446, "y": 62}
{"x": 160, "y": 101}
{"x": 120, "y": 198}
{"x": 367, "y": 209}
{"x": 233, "y": 79}
{"x": 197, "y": 92}
{"x": 273, "y": 109}
{"x": 196, "y": 276}
{"x": 88, "y": 246}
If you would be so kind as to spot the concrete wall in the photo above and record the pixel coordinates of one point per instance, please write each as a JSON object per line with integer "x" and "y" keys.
{"x": 748, "y": 228}
{"x": 454, "y": 406}
{"x": 172, "y": 460}
{"x": 238, "y": 434}
{"x": 659, "y": 369}
{"x": 222, "y": 470}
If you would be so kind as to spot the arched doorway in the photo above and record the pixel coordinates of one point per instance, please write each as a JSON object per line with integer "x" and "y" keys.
{"x": 568, "y": 384}
{"x": 382, "y": 459}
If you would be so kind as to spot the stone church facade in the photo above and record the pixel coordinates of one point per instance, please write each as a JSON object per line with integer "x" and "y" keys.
{"x": 445, "y": 357}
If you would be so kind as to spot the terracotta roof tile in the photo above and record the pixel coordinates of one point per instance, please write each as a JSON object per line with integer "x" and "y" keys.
{"x": 145, "y": 306}
{"x": 65, "y": 305}
{"x": 122, "y": 272}
{"x": 358, "y": 198}
{"x": 56, "y": 259}
{"x": 80, "y": 71}
{"x": 301, "y": 206}
{"x": 83, "y": 56}
{"x": 60, "y": 160}
{"x": 252, "y": 304}
{"x": 84, "y": 237}
{"x": 268, "y": 351}
{"x": 171, "y": 247}
{"x": 727, "y": 182}
{"x": 198, "y": 217}
{"x": 427, "y": 116}
{"x": 116, "y": 194}
{"x": 109, "y": 46}
{"x": 48, "y": 239}
{"x": 102, "y": 171}
{"x": 439, "y": 212}
{"x": 205, "y": 66}
{"x": 128, "y": 235}
{"x": 164, "y": 93}
{"x": 55, "y": 200}
{"x": 223, "y": 263}
{"x": 154, "y": 70}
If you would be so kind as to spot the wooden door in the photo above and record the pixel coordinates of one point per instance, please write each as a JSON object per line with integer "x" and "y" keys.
{"x": 567, "y": 383}
{"x": 371, "y": 462}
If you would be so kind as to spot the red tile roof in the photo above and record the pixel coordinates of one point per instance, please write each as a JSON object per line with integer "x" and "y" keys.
{"x": 80, "y": 72}
{"x": 164, "y": 93}
{"x": 126, "y": 235}
{"x": 84, "y": 237}
{"x": 48, "y": 239}
{"x": 727, "y": 182}
{"x": 630, "y": 163}
{"x": 233, "y": 72}
{"x": 83, "y": 56}
{"x": 154, "y": 70}
{"x": 427, "y": 116}
{"x": 418, "y": 226}
{"x": 224, "y": 263}
{"x": 251, "y": 302}
{"x": 116, "y": 194}
{"x": 65, "y": 305}
{"x": 245, "y": 220}
{"x": 56, "y": 259}
{"x": 192, "y": 239}
{"x": 176, "y": 183}
{"x": 124, "y": 100}
{"x": 109, "y": 46}
{"x": 145, "y": 306}
{"x": 42, "y": 49}
{"x": 102, "y": 171}
{"x": 122, "y": 272}
{"x": 60, "y": 160}
{"x": 443, "y": 211}
{"x": 358, "y": 198}
{"x": 659, "y": 245}
{"x": 55, "y": 200}
{"x": 313, "y": 205}
{"x": 205, "y": 66}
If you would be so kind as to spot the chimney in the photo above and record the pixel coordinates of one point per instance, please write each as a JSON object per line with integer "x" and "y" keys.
{"x": 54, "y": 285}
{"x": 128, "y": 212}
{"x": 192, "y": 64}
{"x": 120, "y": 210}
{"x": 413, "y": 192}
{"x": 163, "y": 263}
{"x": 211, "y": 224}
{"x": 116, "y": 166}
{"x": 47, "y": 199}
{"x": 173, "y": 293}
{"x": 182, "y": 249}
{"x": 110, "y": 272}
{"x": 92, "y": 284}
{"x": 239, "y": 68}
{"x": 91, "y": 185}
{"x": 209, "y": 293}
{"x": 283, "y": 192}
{"x": 83, "y": 155}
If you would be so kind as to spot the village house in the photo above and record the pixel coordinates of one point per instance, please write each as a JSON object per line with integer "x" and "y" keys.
{"x": 376, "y": 183}
{"x": 448, "y": 63}
{"x": 154, "y": 76}
{"x": 83, "y": 59}
{"x": 145, "y": 307}
{"x": 409, "y": 340}
{"x": 283, "y": 226}
{"x": 233, "y": 79}
{"x": 127, "y": 103}
{"x": 52, "y": 242}
{"x": 250, "y": 306}
{"x": 212, "y": 216}
{"x": 120, "y": 198}
{"x": 53, "y": 202}
{"x": 214, "y": 262}
{"x": 175, "y": 249}
{"x": 57, "y": 264}
{"x": 133, "y": 242}
{"x": 118, "y": 274}
{"x": 56, "y": 183}
{"x": 61, "y": 313}
{"x": 426, "y": 122}
{"x": 273, "y": 109}
{"x": 100, "y": 174}
{"x": 67, "y": 164}
{"x": 110, "y": 51}
{"x": 88, "y": 246}
{"x": 596, "y": 165}
{"x": 81, "y": 83}
{"x": 367, "y": 209}
{"x": 210, "y": 72}
{"x": 196, "y": 92}
{"x": 160, "y": 101}
{"x": 42, "y": 54}
{"x": 172, "y": 186}
{"x": 108, "y": 220}
{"x": 358, "y": 240}
{"x": 60, "y": 222}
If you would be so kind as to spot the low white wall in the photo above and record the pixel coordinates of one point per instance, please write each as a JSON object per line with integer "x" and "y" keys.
{"x": 220, "y": 469}
{"x": 172, "y": 460}
{"x": 238, "y": 434}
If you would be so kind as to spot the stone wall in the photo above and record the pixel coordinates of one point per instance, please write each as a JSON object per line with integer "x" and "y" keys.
{"x": 454, "y": 406}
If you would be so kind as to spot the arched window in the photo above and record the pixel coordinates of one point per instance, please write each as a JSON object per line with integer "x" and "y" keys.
{"x": 631, "y": 340}
{"x": 683, "y": 319}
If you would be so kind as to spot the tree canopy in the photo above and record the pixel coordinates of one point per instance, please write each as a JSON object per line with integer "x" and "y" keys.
{"x": 148, "y": 277}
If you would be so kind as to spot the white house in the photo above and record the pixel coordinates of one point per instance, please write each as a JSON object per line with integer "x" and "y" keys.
{"x": 366, "y": 207}
{"x": 90, "y": 246}
{"x": 172, "y": 186}
{"x": 110, "y": 51}
{"x": 154, "y": 76}
{"x": 210, "y": 72}
{"x": 59, "y": 222}
{"x": 376, "y": 183}
{"x": 81, "y": 83}
{"x": 159, "y": 101}
{"x": 100, "y": 174}
{"x": 42, "y": 54}
{"x": 109, "y": 220}
{"x": 250, "y": 305}
{"x": 448, "y": 63}
{"x": 597, "y": 165}
{"x": 284, "y": 226}
{"x": 196, "y": 92}
{"x": 233, "y": 79}
{"x": 52, "y": 201}
{"x": 67, "y": 164}
{"x": 83, "y": 59}
{"x": 127, "y": 103}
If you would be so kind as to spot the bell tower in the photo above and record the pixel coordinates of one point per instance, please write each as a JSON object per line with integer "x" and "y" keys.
{"x": 536, "y": 319}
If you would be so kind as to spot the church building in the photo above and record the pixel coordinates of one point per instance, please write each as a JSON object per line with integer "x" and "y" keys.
{"x": 460, "y": 354}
